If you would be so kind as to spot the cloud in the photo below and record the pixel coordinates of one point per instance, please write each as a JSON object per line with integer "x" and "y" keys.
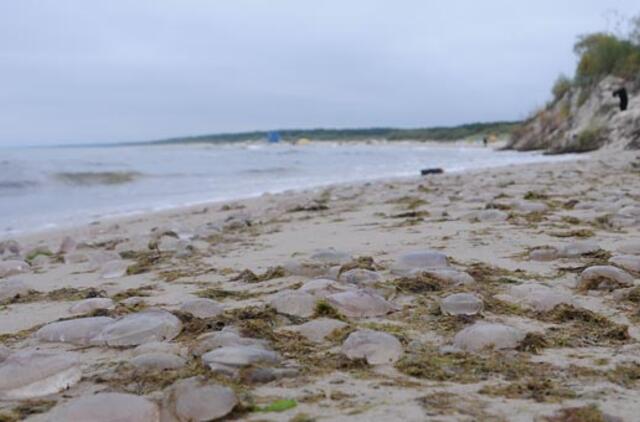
{"x": 76, "y": 71}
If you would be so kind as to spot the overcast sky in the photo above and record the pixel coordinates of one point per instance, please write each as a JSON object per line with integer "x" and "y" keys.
{"x": 79, "y": 71}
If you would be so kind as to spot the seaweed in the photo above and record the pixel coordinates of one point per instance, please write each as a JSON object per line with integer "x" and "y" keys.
{"x": 326, "y": 310}
{"x": 221, "y": 294}
{"x": 420, "y": 283}
{"x": 249, "y": 276}
{"x": 589, "y": 413}
{"x": 25, "y": 409}
{"x": 362, "y": 262}
{"x": 539, "y": 390}
{"x": 580, "y": 233}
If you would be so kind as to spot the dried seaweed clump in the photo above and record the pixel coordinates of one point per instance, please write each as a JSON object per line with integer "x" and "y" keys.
{"x": 586, "y": 328}
{"x": 468, "y": 368}
{"x": 539, "y": 390}
{"x": 25, "y": 409}
{"x": 326, "y": 310}
{"x": 249, "y": 276}
{"x": 589, "y": 413}
{"x": 420, "y": 283}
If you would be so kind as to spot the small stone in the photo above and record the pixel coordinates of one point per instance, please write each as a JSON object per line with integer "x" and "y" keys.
{"x": 158, "y": 361}
{"x": 13, "y": 267}
{"x": 12, "y": 289}
{"x": 194, "y": 400}
{"x": 294, "y": 303}
{"x": 90, "y": 305}
{"x": 488, "y": 335}
{"x": 376, "y": 347}
{"x": 78, "y": 331}
{"x": 107, "y": 407}
{"x": 360, "y": 277}
{"x": 202, "y": 308}
{"x": 419, "y": 260}
{"x": 360, "y": 304}
{"x": 113, "y": 269}
{"x": 138, "y": 328}
{"x": 318, "y": 329}
{"x": 627, "y": 262}
{"x": 461, "y": 304}
{"x": 604, "y": 277}
{"x": 34, "y": 373}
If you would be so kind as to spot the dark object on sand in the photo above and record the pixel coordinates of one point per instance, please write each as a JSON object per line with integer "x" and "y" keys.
{"x": 485, "y": 141}
{"x": 424, "y": 172}
{"x": 624, "y": 98}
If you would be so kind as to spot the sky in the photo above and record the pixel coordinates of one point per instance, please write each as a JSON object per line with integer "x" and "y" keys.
{"x": 78, "y": 71}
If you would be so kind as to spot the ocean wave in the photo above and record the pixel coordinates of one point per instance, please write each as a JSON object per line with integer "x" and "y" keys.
{"x": 90, "y": 178}
{"x": 17, "y": 184}
{"x": 269, "y": 170}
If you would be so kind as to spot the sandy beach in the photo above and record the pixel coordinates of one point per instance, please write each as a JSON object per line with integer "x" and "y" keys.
{"x": 338, "y": 303}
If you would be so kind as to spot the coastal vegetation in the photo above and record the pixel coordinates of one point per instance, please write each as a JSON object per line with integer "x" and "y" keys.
{"x": 441, "y": 133}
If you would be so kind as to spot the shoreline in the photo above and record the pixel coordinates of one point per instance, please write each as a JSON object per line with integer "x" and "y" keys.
{"x": 117, "y": 216}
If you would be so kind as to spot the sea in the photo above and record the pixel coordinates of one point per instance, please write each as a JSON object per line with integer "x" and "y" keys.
{"x": 48, "y": 187}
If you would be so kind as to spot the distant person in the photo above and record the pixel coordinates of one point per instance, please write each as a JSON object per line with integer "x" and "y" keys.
{"x": 624, "y": 98}
{"x": 485, "y": 141}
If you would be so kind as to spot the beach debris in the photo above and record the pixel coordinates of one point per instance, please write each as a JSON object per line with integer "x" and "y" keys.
{"x": 80, "y": 331}
{"x": 322, "y": 287}
{"x": 318, "y": 329}
{"x": 360, "y": 304}
{"x": 419, "y": 260}
{"x": 67, "y": 245}
{"x": 12, "y": 289}
{"x": 449, "y": 276}
{"x": 141, "y": 327}
{"x": 330, "y": 256}
{"x": 490, "y": 215}
{"x": 604, "y": 277}
{"x": 195, "y": 400}
{"x": 4, "y": 353}
{"x": 225, "y": 338}
{"x": 631, "y": 247}
{"x": 157, "y": 347}
{"x": 10, "y": 247}
{"x": 360, "y": 277}
{"x": 202, "y": 308}
{"x": 229, "y": 360}
{"x": 92, "y": 304}
{"x": 627, "y": 262}
{"x": 158, "y": 361}
{"x": 107, "y": 407}
{"x": 538, "y": 296}
{"x": 113, "y": 269}
{"x": 483, "y": 335}
{"x": 428, "y": 171}
{"x": 377, "y": 347}
{"x": 33, "y": 373}
{"x": 13, "y": 267}
{"x": 461, "y": 304}
{"x": 294, "y": 302}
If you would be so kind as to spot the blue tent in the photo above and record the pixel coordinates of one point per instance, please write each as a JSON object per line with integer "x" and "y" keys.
{"x": 273, "y": 137}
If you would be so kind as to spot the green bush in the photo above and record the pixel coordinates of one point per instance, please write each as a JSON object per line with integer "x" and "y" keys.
{"x": 561, "y": 87}
{"x": 604, "y": 54}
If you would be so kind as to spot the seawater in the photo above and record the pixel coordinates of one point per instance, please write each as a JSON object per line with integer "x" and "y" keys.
{"x": 47, "y": 187}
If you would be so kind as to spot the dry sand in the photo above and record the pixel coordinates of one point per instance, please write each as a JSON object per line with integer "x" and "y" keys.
{"x": 487, "y": 223}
